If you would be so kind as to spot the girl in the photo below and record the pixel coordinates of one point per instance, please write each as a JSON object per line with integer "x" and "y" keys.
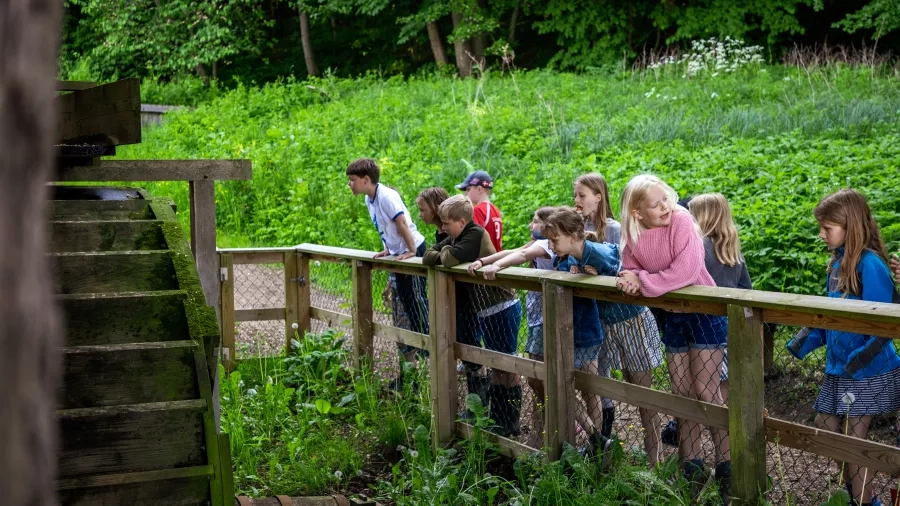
{"x": 538, "y": 253}
{"x": 662, "y": 251}
{"x": 632, "y": 341}
{"x": 862, "y": 373}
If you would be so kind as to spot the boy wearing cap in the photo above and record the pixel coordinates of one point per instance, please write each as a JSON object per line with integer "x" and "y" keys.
{"x": 478, "y": 187}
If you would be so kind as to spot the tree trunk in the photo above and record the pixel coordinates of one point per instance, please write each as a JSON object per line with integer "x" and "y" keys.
{"x": 462, "y": 48}
{"x": 308, "y": 55}
{"x": 511, "y": 38}
{"x": 437, "y": 46}
{"x": 29, "y": 324}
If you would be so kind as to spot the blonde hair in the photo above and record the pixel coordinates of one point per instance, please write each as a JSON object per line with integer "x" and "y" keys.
{"x": 632, "y": 196}
{"x": 564, "y": 221}
{"x": 849, "y": 209}
{"x": 596, "y": 183}
{"x": 455, "y": 208}
{"x": 714, "y": 218}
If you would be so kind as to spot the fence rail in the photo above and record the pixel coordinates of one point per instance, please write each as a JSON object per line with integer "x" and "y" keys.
{"x": 750, "y": 350}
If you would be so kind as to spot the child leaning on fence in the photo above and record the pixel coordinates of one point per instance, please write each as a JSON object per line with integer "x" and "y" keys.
{"x": 498, "y": 308}
{"x": 632, "y": 341}
{"x": 662, "y": 251}
{"x": 862, "y": 373}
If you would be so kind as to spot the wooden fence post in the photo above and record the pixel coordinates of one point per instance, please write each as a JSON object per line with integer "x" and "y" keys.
{"x": 203, "y": 236}
{"x": 746, "y": 404}
{"x": 362, "y": 313}
{"x": 226, "y": 262}
{"x": 559, "y": 360}
{"x": 304, "y": 296}
{"x": 291, "y": 298}
{"x": 442, "y": 325}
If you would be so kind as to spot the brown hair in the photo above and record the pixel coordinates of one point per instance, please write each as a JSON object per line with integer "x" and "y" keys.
{"x": 433, "y": 197}
{"x": 544, "y": 212}
{"x": 456, "y": 207}
{"x": 714, "y": 218}
{"x": 849, "y": 209}
{"x": 364, "y": 167}
{"x": 596, "y": 183}
{"x": 564, "y": 221}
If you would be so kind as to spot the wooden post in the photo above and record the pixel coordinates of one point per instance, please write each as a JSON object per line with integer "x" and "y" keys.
{"x": 746, "y": 404}
{"x": 442, "y": 323}
{"x": 304, "y": 296}
{"x": 362, "y": 313}
{"x": 226, "y": 261}
{"x": 291, "y": 298}
{"x": 203, "y": 237}
{"x": 559, "y": 359}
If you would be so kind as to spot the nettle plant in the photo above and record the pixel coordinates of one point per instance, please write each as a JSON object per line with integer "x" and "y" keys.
{"x": 712, "y": 57}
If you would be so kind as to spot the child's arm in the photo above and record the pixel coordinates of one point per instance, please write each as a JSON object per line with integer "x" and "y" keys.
{"x": 488, "y": 260}
{"x": 406, "y": 234}
{"x": 515, "y": 257}
{"x": 805, "y": 342}
{"x": 465, "y": 249}
{"x": 433, "y": 255}
{"x": 877, "y": 286}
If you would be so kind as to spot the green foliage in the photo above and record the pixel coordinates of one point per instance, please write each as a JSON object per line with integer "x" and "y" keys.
{"x": 774, "y": 140}
{"x": 881, "y": 16}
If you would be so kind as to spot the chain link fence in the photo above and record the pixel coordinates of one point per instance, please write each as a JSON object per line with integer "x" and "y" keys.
{"x": 258, "y": 286}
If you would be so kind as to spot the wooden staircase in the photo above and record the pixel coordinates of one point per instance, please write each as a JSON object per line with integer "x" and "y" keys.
{"x": 135, "y": 408}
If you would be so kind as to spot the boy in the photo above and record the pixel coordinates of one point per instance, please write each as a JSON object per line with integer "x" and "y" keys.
{"x": 498, "y": 308}
{"x": 478, "y": 187}
{"x": 398, "y": 234}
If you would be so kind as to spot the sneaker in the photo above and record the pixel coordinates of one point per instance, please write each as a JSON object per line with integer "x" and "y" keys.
{"x": 670, "y": 433}
{"x": 694, "y": 470}
{"x": 598, "y": 444}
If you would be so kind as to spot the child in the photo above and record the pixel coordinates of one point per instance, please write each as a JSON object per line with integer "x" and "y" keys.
{"x": 478, "y": 187}
{"x": 862, "y": 373}
{"x": 398, "y": 234}
{"x": 662, "y": 251}
{"x": 536, "y": 251}
{"x": 632, "y": 341}
{"x": 498, "y": 308}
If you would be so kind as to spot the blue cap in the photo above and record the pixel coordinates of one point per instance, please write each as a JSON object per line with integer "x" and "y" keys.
{"x": 477, "y": 178}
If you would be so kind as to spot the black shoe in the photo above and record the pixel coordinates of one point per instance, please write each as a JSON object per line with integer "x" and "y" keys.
{"x": 723, "y": 479}
{"x": 506, "y": 406}
{"x": 609, "y": 416}
{"x": 695, "y": 471}
{"x": 670, "y": 433}
{"x": 396, "y": 384}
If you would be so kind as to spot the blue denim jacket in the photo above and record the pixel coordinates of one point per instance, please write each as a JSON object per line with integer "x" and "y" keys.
{"x": 604, "y": 257}
{"x": 848, "y": 354}
{"x": 585, "y": 316}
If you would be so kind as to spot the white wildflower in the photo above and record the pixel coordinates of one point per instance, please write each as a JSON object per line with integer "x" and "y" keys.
{"x": 848, "y": 398}
{"x": 338, "y": 475}
{"x": 413, "y": 453}
{"x": 317, "y": 263}
{"x": 295, "y": 326}
{"x": 251, "y": 392}
{"x": 714, "y": 95}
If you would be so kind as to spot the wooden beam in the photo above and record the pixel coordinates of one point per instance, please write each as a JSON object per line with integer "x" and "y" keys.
{"x": 559, "y": 360}
{"x": 227, "y": 319}
{"x": 291, "y": 298}
{"x": 74, "y": 85}
{"x": 105, "y": 480}
{"x": 331, "y": 318}
{"x": 304, "y": 295}
{"x": 401, "y": 336}
{"x": 159, "y": 170}
{"x": 262, "y": 257}
{"x": 109, "y": 114}
{"x": 508, "y": 447}
{"x": 746, "y": 403}
{"x": 442, "y": 325}
{"x": 203, "y": 238}
{"x": 501, "y": 361}
{"x": 363, "y": 314}
{"x": 258, "y": 315}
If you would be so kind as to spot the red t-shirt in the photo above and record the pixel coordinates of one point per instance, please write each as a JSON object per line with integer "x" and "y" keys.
{"x": 488, "y": 216}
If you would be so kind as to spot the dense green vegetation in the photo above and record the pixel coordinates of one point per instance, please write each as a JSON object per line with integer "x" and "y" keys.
{"x": 773, "y": 139}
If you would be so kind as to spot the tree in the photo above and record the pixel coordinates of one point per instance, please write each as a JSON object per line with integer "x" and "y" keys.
{"x": 882, "y": 16}
{"x": 308, "y": 56}
{"x": 29, "y": 324}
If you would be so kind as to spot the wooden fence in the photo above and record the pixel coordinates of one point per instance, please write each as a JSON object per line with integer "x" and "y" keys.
{"x": 749, "y": 350}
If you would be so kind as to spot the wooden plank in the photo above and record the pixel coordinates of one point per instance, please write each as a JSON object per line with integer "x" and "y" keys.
{"x": 331, "y": 318}
{"x": 131, "y": 271}
{"x": 517, "y": 284}
{"x": 106, "y": 235}
{"x": 559, "y": 362}
{"x": 501, "y": 361}
{"x": 226, "y": 466}
{"x": 227, "y": 318}
{"x": 74, "y": 85}
{"x": 402, "y": 269}
{"x": 203, "y": 238}
{"x": 127, "y": 374}
{"x": 508, "y": 447}
{"x": 401, "y": 336}
{"x": 746, "y": 403}
{"x": 127, "y": 318}
{"x": 262, "y": 257}
{"x": 440, "y": 345}
{"x": 159, "y": 170}
{"x": 850, "y": 324}
{"x": 109, "y": 114}
{"x": 173, "y": 492}
{"x": 259, "y": 314}
{"x": 363, "y": 314}
{"x": 684, "y": 306}
{"x": 875, "y": 456}
{"x": 304, "y": 295}
{"x": 105, "y": 480}
{"x": 711, "y": 415}
{"x": 291, "y": 298}
{"x": 134, "y": 209}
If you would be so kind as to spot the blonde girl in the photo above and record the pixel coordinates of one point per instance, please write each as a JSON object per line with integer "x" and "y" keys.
{"x": 662, "y": 251}
{"x": 632, "y": 341}
{"x": 862, "y": 372}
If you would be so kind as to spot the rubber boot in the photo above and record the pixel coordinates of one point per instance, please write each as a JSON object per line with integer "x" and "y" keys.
{"x": 480, "y": 386}
{"x": 609, "y": 416}
{"x": 506, "y": 406}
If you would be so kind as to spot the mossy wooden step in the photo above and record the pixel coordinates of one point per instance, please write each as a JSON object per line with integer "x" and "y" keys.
{"x": 114, "y": 272}
{"x": 106, "y": 235}
{"x": 147, "y": 490}
{"x": 137, "y": 209}
{"x": 131, "y": 438}
{"x": 121, "y": 318}
{"x": 110, "y": 375}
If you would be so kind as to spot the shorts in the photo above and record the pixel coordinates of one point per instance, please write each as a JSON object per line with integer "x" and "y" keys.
{"x": 501, "y": 330}
{"x": 874, "y": 395}
{"x": 535, "y": 346}
{"x": 685, "y": 331}
{"x": 723, "y": 374}
{"x": 633, "y": 345}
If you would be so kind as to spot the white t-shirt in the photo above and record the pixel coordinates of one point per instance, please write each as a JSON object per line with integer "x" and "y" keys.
{"x": 386, "y": 207}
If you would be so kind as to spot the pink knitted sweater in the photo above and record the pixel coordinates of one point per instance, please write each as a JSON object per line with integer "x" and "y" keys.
{"x": 668, "y": 258}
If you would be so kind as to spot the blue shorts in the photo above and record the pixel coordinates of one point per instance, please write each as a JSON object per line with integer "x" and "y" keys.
{"x": 685, "y": 331}
{"x": 501, "y": 330}
{"x": 535, "y": 346}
